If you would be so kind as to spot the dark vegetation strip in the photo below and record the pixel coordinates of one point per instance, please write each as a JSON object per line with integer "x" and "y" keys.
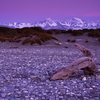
{"x": 37, "y": 35}
{"x": 32, "y": 35}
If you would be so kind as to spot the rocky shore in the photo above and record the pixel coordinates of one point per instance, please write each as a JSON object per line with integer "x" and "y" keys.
{"x": 25, "y": 74}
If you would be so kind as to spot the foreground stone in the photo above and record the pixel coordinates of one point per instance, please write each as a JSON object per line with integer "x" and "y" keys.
{"x": 85, "y": 63}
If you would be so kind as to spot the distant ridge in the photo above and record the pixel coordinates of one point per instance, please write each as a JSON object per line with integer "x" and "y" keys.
{"x": 73, "y": 23}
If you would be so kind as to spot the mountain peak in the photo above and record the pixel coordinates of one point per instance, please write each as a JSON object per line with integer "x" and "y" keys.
{"x": 78, "y": 19}
{"x": 49, "y": 19}
{"x": 48, "y": 23}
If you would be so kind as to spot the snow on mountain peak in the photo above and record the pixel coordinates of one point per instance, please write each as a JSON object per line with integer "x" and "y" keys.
{"x": 51, "y": 22}
{"x": 78, "y": 20}
{"x": 20, "y": 25}
{"x": 76, "y": 23}
{"x": 48, "y": 23}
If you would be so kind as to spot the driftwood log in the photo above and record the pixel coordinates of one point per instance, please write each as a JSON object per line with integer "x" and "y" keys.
{"x": 86, "y": 52}
{"x": 85, "y": 63}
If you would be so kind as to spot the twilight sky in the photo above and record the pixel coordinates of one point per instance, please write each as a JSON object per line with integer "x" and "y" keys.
{"x": 34, "y": 10}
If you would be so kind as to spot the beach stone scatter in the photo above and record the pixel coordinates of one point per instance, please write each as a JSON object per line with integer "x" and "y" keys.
{"x": 25, "y": 73}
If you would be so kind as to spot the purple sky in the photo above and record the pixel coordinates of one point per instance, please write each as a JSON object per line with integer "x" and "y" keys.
{"x": 33, "y": 10}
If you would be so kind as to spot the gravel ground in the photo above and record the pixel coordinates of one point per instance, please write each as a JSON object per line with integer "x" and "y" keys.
{"x": 25, "y": 73}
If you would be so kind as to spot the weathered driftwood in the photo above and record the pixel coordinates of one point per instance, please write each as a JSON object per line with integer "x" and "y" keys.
{"x": 85, "y": 63}
{"x": 86, "y": 52}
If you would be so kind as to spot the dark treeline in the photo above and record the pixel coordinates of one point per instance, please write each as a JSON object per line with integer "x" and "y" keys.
{"x": 38, "y": 35}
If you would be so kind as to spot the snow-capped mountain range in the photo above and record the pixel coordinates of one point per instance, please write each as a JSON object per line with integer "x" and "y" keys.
{"x": 74, "y": 23}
